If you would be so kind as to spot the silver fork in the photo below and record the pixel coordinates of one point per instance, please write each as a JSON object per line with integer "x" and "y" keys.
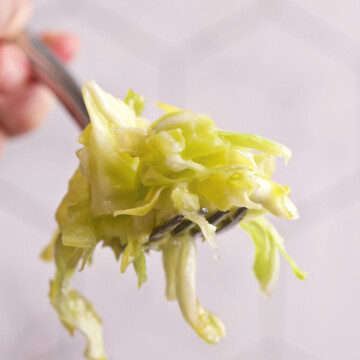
{"x": 52, "y": 73}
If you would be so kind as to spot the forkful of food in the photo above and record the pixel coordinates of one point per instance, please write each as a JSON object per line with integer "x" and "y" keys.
{"x": 144, "y": 186}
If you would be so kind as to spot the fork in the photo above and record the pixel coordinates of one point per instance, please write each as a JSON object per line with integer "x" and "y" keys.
{"x": 47, "y": 69}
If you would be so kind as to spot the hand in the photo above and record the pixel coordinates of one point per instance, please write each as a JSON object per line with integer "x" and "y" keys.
{"x": 24, "y": 103}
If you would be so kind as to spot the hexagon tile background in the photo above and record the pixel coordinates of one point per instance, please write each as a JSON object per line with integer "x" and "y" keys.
{"x": 286, "y": 70}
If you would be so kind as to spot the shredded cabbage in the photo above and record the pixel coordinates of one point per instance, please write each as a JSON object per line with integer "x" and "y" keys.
{"x": 268, "y": 243}
{"x": 134, "y": 176}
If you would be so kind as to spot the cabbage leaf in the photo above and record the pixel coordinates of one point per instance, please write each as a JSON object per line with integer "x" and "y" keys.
{"x": 133, "y": 176}
{"x": 268, "y": 243}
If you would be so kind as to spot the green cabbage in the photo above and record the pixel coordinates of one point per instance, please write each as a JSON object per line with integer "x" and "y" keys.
{"x": 268, "y": 243}
{"x": 207, "y": 325}
{"x": 74, "y": 311}
{"x": 134, "y": 176}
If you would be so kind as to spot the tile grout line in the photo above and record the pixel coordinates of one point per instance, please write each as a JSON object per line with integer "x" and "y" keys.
{"x": 329, "y": 40}
{"x": 253, "y": 18}
{"x": 148, "y": 54}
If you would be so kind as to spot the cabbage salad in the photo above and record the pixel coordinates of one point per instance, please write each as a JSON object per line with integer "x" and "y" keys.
{"x": 134, "y": 175}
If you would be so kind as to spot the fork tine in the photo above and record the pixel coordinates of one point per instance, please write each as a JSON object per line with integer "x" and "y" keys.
{"x": 232, "y": 219}
{"x": 187, "y": 224}
{"x": 214, "y": 219}
{"x": 222, "y": 219}
{"x": 175, "y": 225}
{"x": 162, "y": 229}
{"x": 217, "y": 217}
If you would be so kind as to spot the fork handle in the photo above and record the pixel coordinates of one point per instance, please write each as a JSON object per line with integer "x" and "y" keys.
{"x": 52, "y": 73}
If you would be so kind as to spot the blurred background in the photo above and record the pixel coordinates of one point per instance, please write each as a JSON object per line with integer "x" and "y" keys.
{"x": 287, "y": 70}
